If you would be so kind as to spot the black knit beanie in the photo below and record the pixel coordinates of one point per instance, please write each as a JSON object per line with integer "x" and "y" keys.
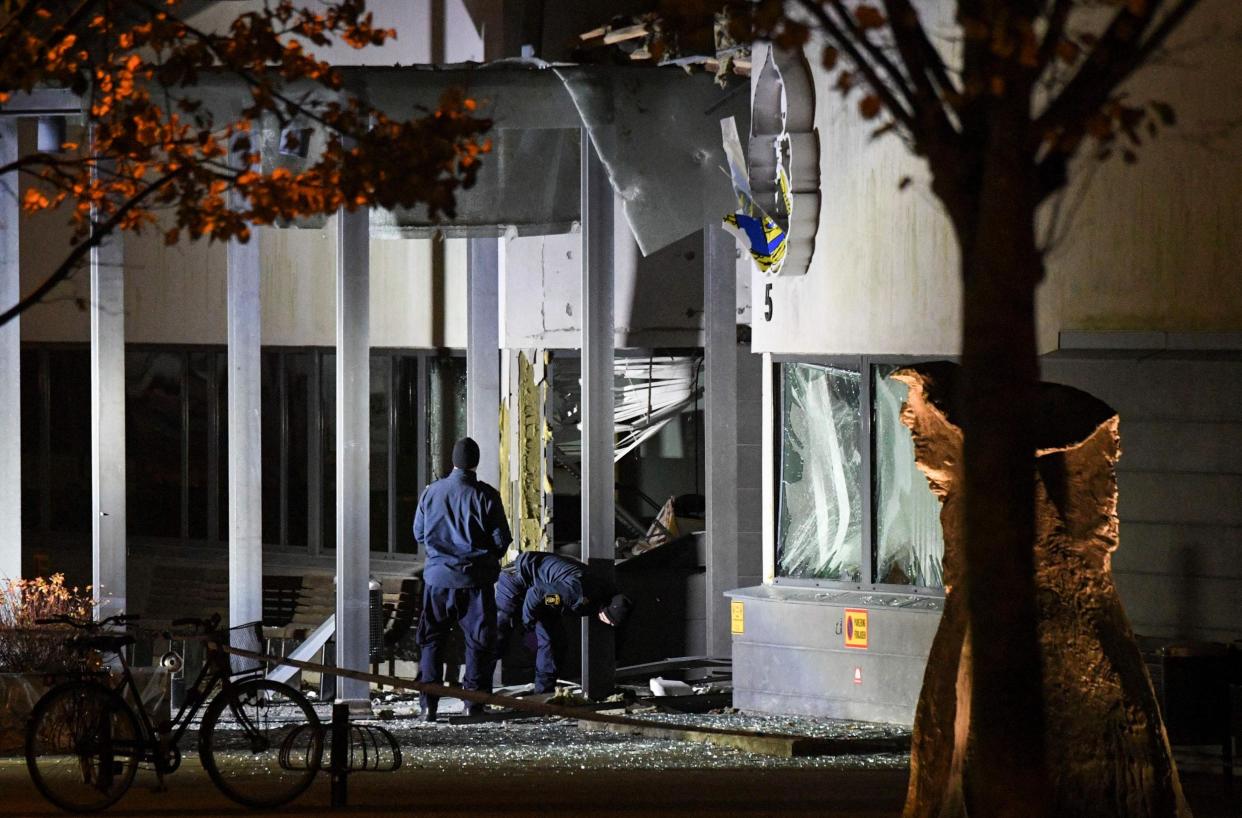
{"x": 465, "y": 454}
{"x": 618, "y": 610}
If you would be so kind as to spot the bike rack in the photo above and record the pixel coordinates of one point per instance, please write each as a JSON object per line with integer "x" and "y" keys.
{"x": 346, "y": 748}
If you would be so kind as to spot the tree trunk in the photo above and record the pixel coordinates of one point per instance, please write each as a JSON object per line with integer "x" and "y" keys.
{"x": 990, "y": 709}
{"x": 1001, "y": 267}
{"x": 1109, "y": 755}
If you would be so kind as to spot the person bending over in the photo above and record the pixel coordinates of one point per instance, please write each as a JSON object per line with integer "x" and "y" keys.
{"x": 538, "y": 591}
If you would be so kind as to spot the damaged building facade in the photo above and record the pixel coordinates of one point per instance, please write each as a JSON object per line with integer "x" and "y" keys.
{"x": 1138, "y": 309}
{"x": 192, "y": 416}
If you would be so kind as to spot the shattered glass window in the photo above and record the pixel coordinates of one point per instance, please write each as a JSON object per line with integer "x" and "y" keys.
{"x": 909, "y": 546}
{"x": 820, "y": 525}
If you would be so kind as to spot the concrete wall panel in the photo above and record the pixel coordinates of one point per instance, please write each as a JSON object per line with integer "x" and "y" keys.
{"x": 1149, "y": 246}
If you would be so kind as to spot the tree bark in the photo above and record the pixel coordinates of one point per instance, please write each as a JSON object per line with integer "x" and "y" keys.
{"x": 1001, "y": 267}
{"x": 1101, "y": 722}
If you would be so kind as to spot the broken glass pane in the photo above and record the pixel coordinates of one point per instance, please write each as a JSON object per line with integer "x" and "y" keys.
{"x": 909, "y": 541}
{"x": 820, "y": 530}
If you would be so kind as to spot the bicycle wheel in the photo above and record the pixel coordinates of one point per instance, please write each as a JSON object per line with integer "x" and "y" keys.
{"x": 242, "y": 743}
{"x": 83, "y": 746}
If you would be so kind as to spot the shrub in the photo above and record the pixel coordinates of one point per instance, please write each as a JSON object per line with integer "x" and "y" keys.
{"x": 25, "y": 645}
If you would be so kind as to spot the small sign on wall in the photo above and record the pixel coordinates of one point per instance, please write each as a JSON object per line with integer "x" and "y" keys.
{"x": 737, "y": 616}
{"x": 855, "y": 628}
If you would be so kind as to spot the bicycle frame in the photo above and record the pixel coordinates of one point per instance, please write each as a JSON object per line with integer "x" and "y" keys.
{"x": 157, "y": 738}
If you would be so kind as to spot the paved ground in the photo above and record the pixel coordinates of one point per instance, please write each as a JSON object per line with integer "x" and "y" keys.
{"x": 862, "y": 793}
{"x": 833, "y": 793}
{"x": 547, "y": 767}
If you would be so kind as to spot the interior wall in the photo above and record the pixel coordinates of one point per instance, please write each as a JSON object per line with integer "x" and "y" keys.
{"x": 176, "y": 295}
{"x": 658, "y": 299}
{"x": 1149, "y": 246}
{"x": 1178, "y": 566}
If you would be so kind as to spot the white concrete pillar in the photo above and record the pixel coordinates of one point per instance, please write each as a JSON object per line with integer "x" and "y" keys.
{"x": 107, "y": 310}
{"x": 768, "y": 465}
{"x": 10, "y": 362}
{"x": 598, "y": 437}
{"x": 482, "y": 354}
{"x": 353, "y": 448}
{"x": 720, "y": 410}
{"x": 245, "y": 464}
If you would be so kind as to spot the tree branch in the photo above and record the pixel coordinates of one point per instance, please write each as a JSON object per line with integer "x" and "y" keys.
{"x": 916, "y": 51}
{"x": 902, "y": 15}
{"x": 1052, "y": 37}
{"x": 847, "y": 45}
{"x": 241, "y": 71}
{"x": 859, "y": 35}
{"x": 80, "y": 250}
{"x": 1120, "y": 51}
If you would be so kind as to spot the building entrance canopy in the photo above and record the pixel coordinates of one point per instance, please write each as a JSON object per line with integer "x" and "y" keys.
{"x": 656, "y": 130}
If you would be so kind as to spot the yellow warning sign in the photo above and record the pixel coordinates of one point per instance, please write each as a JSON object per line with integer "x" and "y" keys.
{"x": 737, "y": 616}
{"x": 855, "y": 628}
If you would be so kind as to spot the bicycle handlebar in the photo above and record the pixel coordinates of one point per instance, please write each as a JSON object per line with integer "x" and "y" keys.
{"x": 88, "y": 624}
{"x": 200, "y": 626}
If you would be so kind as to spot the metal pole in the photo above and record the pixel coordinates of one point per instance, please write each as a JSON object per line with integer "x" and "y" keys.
{"x": 107, "y": 310}
{"x": 720, "y": 414}
{"x": 598, "y": 441}
{"x": 245, "y": 447}
{"x": 353, "y": 449}
{"x": 339, "y": 766}
{"x": 10, "y": 362}
{"x": 482, "y": 354}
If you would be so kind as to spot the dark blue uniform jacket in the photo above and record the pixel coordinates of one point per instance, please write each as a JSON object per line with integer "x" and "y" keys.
{"x": 559, "y": 583}
{"x": 461, "y": 522}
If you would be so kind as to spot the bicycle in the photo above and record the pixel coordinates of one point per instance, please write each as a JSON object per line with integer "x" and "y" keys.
{"x": 84, "y": 741}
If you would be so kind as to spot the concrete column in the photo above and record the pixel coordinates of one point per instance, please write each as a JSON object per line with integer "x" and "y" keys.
{"x": 353, "y": 448}
{"x": 107, "y": 309}
{"x": 482, "y": 354}
{"x": 10, "y": 363}
{"x": 598, "y": 439}
{"x": 720, "y": 402}
{"x": 245, "y": 463}
{"x": 768, "y": 466}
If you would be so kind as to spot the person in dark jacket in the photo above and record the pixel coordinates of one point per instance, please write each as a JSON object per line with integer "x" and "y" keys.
{"x": 461, "y": 523}
{"x": 538, "y": 591}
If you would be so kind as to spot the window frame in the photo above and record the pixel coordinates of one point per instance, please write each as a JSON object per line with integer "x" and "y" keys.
{"x": 216, "y": 538}
{"x": 864, "y": 365}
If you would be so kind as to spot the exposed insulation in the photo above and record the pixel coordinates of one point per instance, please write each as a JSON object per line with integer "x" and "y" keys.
{"x": 524, "y": 436}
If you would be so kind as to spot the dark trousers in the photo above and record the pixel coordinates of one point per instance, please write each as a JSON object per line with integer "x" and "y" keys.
{"x": 475, "y": 609}
{"x": 551, "y": 638}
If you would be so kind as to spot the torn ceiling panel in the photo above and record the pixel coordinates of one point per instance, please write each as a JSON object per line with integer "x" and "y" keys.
{"x": 657, "y": 131}
{"x": 529, "y": 182}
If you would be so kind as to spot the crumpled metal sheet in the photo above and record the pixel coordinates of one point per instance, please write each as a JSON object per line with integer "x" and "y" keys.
{"x": 528, "y": 184}
{"x": 657, "y": 132}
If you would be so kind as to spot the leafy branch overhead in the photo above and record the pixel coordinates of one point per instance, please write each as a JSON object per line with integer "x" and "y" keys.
{"x": 154, "y": 152}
